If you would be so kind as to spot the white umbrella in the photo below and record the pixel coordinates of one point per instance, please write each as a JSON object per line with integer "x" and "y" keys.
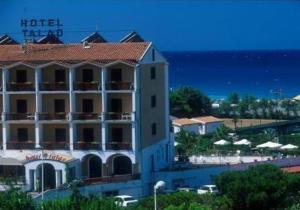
{"x": 289, "y": 147}
{"x": 222, "y": 142}
{"x": 242, "y": 142}
{"x": 269, "y": 144}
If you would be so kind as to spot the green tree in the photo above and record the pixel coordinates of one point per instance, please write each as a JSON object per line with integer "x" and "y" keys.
{"x": 264, "y": 106}
{"x": 245, "y": 105}
{"x": 261, "y": 187}
{"x": 189, "y": 102}
{"x": 186, "y": 142}
{"x": 14, "y": 199}
{"x": 221, "y": 132}
{"x": 233, "y": 98}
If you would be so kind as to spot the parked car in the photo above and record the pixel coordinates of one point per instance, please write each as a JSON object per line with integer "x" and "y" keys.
{"x": 208, "y": 189}
{"x": 125, "y": 200}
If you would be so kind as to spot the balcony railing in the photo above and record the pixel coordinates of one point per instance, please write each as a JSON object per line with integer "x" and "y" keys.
{"x": 20, "y": 144}
{"x": 51, "y": 145}
{"x": 119, "y": 86}
{"x": 114, "y": 145}
{"x": 26, "y": 86}
{"x": 53, "y": 116}
{"x": 58, "y": 86}
{"x": 83, "y": 145}
{"x": 118, "y": 116}
{"x": 95, "y": 85}
{"x": 110, "y": 179}
{"x": 86, "y": 116}
{"x": 20, "y": 116}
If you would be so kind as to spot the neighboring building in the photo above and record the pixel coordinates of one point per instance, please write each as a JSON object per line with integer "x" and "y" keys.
{"x": 200, "y": 125}
{"x": 185, "y": 124}
{"x": 297, "y": 98}
{"x": 97, "y": 110}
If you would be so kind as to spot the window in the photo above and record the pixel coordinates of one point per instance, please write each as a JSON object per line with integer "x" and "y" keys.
{"x": 59, "y": 105}
{"x": 60, "y": 134}
{"x": 116, "y": 75}
{"x": 60, "y": 75}
{"x": 153, "y": 73}
{"x": 153, "y": 55}
{"x": 116, "y": 105}
{"x": 21, "y": 76}
{"x": 153, "y": 101}
{"x": 22, "y": 134}
{"x": 87, "y": 75}
{"x": 117, "y": 134}
{"x": 153, "y": 129}
{"x": 87, "y": 105}
{"x": 88, "y": 134}
{"x": 21, "y": 106}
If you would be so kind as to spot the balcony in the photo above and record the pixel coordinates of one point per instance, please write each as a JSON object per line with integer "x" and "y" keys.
{"x": 86, "y": 116}
{"x": 52, "y": 145}
{"x": 26, "y": 86}
{"x": 83, "y": 145}
{"x": 20, "y": 145}
{"x": 58, "y": 86}
{"x": 119, "y": 86}
{"x": 118, "y": 116}
{"x": 53, "y": 116}
{"x": 20, "y": 116}
{"x": 111, "y": 179}
{"x": 84, "y": 86}
{"x": 114, "y": 145}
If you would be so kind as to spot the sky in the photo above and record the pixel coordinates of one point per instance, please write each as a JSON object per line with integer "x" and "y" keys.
{"x": 172, "y": 25}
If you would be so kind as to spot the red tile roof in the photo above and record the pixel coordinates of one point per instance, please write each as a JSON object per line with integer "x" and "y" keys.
{"x": 73, "y": 52}
{"x": 207, "y": 119}
{"x": 184, "y": 121}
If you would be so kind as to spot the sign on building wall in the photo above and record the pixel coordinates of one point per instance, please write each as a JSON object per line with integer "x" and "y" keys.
{"x": 33, "y": 29}
{"x": 48, "y": 156}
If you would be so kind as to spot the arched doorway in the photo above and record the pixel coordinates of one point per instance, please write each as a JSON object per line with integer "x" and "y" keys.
{"x": 49, "y": 175}
{"x": 92, "y": 166}
{"x": 122, "y": 165}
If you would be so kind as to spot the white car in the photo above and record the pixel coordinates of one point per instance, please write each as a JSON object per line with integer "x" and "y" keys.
{"x": 125, "y": 200}
{"x": 208, "y": 189}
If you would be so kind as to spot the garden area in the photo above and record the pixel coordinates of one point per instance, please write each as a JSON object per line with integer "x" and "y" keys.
{"x": 188, "y": 143}
{"x": 262, "y": 187}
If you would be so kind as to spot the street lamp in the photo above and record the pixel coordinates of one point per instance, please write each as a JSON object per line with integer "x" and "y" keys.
{"x": 38, "y": 148}
{"x": 158, "y": 185}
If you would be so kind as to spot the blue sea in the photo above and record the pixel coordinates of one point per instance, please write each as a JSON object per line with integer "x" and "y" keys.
{"x": 259, "y": 73}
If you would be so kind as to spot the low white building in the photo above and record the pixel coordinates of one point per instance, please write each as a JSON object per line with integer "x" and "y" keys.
{"x": 200, "y": 125}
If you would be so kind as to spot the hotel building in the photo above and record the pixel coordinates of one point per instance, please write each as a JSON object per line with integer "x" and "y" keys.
{"x": 91, "y": 111}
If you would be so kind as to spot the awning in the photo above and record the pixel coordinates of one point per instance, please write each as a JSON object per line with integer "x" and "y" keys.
{"x": 10, "y": 162}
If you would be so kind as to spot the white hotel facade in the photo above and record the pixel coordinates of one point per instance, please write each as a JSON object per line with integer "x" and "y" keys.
{"x": 94, "y": 111}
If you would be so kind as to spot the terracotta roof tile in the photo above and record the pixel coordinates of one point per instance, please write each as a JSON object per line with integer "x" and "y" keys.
{"x": 207, "y": 119}
{"x": 184, "y": 121}
{"x": 131, "y": 52}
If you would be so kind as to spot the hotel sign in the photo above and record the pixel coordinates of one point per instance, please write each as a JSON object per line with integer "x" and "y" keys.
{"x": 48, "y": 156}
{"x": 37, "y": 28}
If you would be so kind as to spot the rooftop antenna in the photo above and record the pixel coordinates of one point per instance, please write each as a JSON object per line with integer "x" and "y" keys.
{"x": 96, "y": 27}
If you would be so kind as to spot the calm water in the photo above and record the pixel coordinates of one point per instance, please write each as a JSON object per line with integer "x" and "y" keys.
{"x": 252, "y": 72}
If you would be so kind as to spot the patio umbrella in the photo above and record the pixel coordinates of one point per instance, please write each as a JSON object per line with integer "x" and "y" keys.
{"x": 242, "y": 142}
{"x": 222, "y": 142}
{"x": 270, "y": 145}
{"x": 289, "y": 147}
